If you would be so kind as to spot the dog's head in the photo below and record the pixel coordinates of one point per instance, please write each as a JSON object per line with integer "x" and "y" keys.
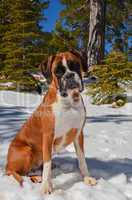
{"x": 65, "y": 70}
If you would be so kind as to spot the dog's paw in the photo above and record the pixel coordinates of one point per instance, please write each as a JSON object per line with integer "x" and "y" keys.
{"x": 36, "y": 179}
{"x": 47, "y": 187}
{"x": 90, "y": 181}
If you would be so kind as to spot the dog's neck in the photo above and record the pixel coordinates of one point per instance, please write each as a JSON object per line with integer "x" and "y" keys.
{"x": 51, "y": 95}
{"x": 66, "y": 104}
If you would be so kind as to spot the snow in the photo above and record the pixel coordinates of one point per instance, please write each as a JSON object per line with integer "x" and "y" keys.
{"x": 108, "y": 149}
{"x": 7, "y": 84}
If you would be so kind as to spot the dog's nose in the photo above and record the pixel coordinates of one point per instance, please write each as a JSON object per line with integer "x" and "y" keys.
{"x": 76, "y": 95}
{"x": 69, "y": 76}
{"x": 64, "y": 94}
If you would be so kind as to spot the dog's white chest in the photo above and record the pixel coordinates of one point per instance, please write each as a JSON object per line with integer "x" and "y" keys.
{"x": 68, "y": 118}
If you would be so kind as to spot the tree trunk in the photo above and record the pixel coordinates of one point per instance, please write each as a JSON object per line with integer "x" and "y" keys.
{"x": 96, "y": 43}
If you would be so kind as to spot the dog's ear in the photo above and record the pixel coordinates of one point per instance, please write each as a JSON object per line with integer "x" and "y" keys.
{"x": 46, "y": 67}
{"x": 83, "y": 57}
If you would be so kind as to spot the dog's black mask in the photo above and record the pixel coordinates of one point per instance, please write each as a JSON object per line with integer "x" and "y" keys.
{"x": 69, "y": 76}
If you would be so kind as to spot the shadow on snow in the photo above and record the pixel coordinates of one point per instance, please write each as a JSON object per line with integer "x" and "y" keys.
{"x": 118, "y": 119}
{"x": 11, "y": 119}
{"x": 97, "y": 168}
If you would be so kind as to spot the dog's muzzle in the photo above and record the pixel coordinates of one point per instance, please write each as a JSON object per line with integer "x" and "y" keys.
{"x": 69, "y": 82}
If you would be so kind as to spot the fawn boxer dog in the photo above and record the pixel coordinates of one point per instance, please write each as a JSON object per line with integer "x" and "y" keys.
{"x": 56, "y": 123}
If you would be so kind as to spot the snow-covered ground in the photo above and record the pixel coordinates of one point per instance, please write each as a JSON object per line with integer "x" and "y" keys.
{"x": 108, "y": 147}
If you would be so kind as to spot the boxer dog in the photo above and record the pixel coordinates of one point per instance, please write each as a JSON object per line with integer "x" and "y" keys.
{"x": 56, "y": 123}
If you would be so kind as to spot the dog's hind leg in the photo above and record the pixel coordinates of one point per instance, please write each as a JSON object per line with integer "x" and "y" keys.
{"x": 19, "y": 162}
{"x": 17, "y": 176}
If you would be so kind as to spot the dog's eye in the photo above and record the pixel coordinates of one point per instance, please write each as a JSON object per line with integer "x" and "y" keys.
{"x": 73, "y": 66}
{"x": 60, "y": 71}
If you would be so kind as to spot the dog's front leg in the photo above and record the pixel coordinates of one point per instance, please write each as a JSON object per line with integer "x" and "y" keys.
{"x": 79, "y": 147}
{"x": 47, "y": 154}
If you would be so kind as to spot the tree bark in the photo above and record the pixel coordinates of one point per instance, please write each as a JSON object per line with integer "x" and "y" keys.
{"x": 96, "y": 42}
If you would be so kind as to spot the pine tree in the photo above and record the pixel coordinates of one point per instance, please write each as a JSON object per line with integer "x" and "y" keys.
{"x": 129, "y": 38}
{"x": 72, "y": 27}
{"x": 117, "y": 17}
{"x": 22, "y": 41}
{"x": 4, "y": 22}
{"x": 113, "y": 78}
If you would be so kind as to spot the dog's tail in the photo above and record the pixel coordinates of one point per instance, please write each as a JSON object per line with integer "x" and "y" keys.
{"x": 17, "y": 177}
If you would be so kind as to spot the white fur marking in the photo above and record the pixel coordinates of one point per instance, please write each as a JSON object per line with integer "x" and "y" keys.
{"x": 64, "y": 62}
{"x": 68, "y": 116}
{"x": 47, "y": 171}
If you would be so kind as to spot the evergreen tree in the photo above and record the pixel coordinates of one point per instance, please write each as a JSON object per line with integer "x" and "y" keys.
{"x": 23, "y": 40}
{"x": 129, "y": 38}
{"x": 113, "y": 78}
{"x": 4, "y": 24}
{"x": 117, "y": 18}
{"x": 72, "y": 27}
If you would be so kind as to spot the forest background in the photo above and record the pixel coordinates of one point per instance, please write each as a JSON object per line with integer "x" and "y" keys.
{"x": 31, "y": 30}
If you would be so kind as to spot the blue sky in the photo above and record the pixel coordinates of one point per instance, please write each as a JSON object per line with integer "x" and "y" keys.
{"x": 52, "y": 14}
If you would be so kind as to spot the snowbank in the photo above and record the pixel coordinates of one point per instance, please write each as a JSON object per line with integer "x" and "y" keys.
{"x": 108, "y": 147}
